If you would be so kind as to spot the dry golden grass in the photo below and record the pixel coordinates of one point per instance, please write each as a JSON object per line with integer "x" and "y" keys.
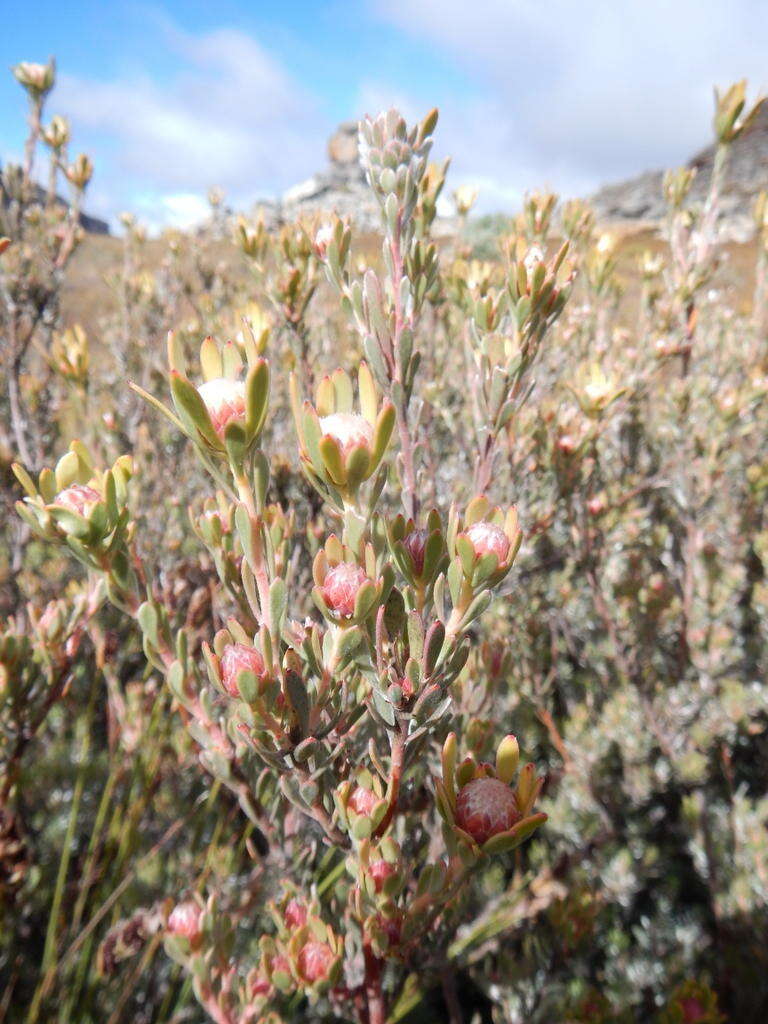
{"x": 87, "y": 296}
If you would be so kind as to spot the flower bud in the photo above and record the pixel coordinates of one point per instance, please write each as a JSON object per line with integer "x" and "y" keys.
{"x": 56, "y": 135}
{"x": 351, "y": 445}
{"x": 485, "y": 807}
{"x": 488, "y": 538}
{"x": 465, "y": 197}
{"x": 380, "y": 871}
{"x": 235, "y": 659}
{"x": 184, "y": 921}
{"x": 225, "y": 401}
{"x": 37, "y": 79}
{"x": 295, "y": 914}
{"x": 348, "y": 429}
{"x": 80, "y": 171}
{"x": 341, "y": 585}
{"x": 72, "y": 646}
{"x": 259, "y": 986}
{"x": 692, "y": 1009}
{"x": 415, "y": 544}
{"x": 78, "y": 498}
{"x": 314, "y": 961}
{"x": 406, "y": 688}
{"x": 533, "y": 258}
{"x": 323, "y": 238}
{"x": 362, "y": 801}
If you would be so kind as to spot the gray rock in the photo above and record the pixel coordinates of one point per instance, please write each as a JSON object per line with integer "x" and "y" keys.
{"x": 341, "y": 189}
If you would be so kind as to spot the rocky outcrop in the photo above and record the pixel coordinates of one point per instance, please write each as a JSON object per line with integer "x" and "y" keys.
{"x": 641, "y": 198}
{"x": 341, "y": 189}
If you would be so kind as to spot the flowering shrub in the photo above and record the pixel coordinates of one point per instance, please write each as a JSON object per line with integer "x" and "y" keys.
{"x": 274, "y": 620}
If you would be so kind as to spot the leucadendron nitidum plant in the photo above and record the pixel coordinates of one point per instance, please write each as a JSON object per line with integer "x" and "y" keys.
{"x": 324, "y": 710}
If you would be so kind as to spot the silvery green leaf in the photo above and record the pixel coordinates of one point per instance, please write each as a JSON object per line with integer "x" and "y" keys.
{"x": 298, "y": 698}
{"x": 383, "y": 707}
{"x": 278, "y": 602}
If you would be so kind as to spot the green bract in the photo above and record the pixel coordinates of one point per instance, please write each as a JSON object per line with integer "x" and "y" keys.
{"x": 340, "y": 449}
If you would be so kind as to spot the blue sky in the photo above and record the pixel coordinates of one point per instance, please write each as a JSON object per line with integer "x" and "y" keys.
{"x": 172, "y": 97}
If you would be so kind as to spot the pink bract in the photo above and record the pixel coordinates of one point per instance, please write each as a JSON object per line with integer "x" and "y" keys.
{"x": 314, "y": 962}
{"x": 488, "y": 538}
{"x": 238, "y": 658}
{"x": 78, "y": 498}
{"x": 225, "y": 401}
{"x": 341, "y": 585}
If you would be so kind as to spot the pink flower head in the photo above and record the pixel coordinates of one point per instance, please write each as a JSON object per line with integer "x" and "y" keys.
{"x": 238, "y": 658}
{"x": 295, "y": 914}
{"x": 225, "y": 401}
{"x": 341, "y": 586}
{"x": 485, "y": 807}
{"x": 323, "y": 238}
{"x": 78, "y": 498}
{"x": 184, "y": 920}
{"x": 348, "y": 430}
{"x": 488, "y": 538}
{"x": 692, "y": 1009}
{"x": 314, "y": 961}
{"x": 380, "y": 871}
{"x": 363, "y": 800}
{"x": 415, "y": 544}
{"x": 566, "y": 444}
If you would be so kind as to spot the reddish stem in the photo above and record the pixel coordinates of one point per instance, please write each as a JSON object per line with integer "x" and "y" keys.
{"x": 374, "y": 994}
{"x": 395, "y": 775}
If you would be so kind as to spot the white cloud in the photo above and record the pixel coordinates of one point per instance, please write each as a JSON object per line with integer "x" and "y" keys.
{"x": 482, "y": 154}
{"x": 564, "y": 94}
{"x": 179, "y": 210}
{"x": 572, "y": 94}
{"x": 230, "y": 116}
{"x": 374, "y": 96}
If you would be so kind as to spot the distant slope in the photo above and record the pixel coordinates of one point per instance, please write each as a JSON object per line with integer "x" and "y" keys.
{"x": 641, "y": 198}
{"x": 94, "y": 225}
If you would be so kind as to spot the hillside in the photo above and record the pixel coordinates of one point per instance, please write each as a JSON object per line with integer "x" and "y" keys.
{"x": 641, "y": 198}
